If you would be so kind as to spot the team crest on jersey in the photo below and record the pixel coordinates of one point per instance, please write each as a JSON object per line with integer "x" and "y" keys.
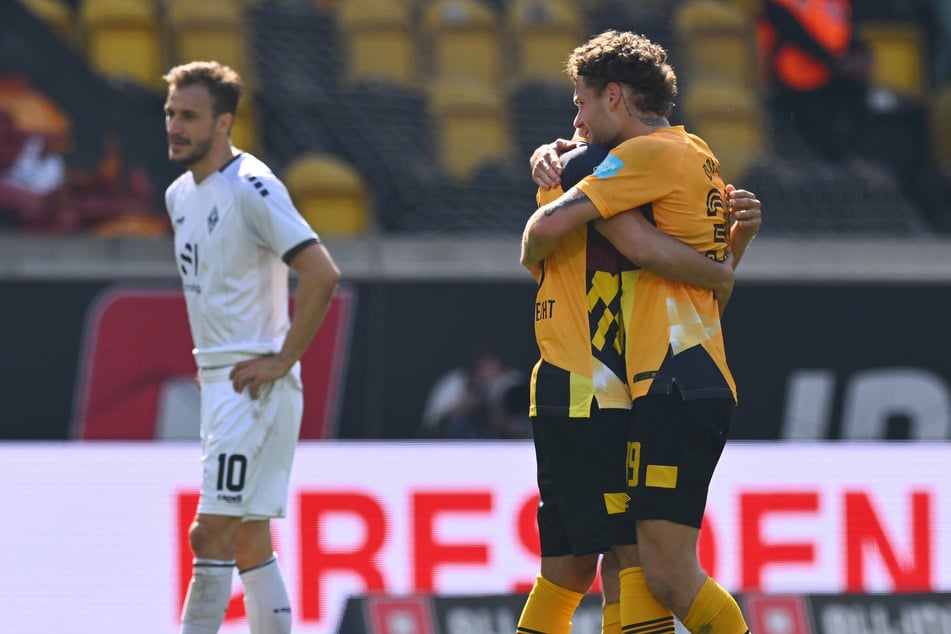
{"x": 610, "y": 166}
{"x": 213, "y": 219}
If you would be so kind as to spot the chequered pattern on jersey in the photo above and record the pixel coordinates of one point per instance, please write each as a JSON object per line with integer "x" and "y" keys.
{"x": 603, "y": 284}
{"x": 605, "y": 319}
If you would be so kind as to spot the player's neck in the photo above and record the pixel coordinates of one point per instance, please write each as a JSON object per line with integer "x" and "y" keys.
{"x": 217, "y": 157}
{"x": 642, "y": 125}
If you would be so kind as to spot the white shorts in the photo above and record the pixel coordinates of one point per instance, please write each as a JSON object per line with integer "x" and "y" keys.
{"x": 248, "y": 445}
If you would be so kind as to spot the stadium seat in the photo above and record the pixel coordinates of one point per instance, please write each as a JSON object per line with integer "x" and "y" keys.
{"x": 471, "y": 126}
{"x": 379, "y": 39}
{"x": 244, "y": 132}
{"x": 730, "y": 120}
{"x": 57, "y": 14}
{"x": 465, "y": 39}
{"x": 717, "y": 41}
{"x": 294, "y": 50}
{"x": 750, "y": 7}
{"x": 939, "y": 115}
{"x": 329, "y": 193}
{"x": 121, "y": 38}
{"x": 652, "y": 18}
{"x": 544, "y": 33}
{"x": 541, "y": 111}
{"x": 207, "y": 30}
{"x": 810, "y": 197}
{"x": 898, "y": 49}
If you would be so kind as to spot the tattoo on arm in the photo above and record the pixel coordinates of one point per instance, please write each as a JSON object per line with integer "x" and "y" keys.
{"x": 572, "y": 198}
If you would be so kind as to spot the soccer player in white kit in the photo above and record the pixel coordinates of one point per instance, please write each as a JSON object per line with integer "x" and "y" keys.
{"x": 236, "y": 233}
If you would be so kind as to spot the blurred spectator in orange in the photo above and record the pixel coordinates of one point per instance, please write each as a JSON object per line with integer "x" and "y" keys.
{"x": 817, "y": 72}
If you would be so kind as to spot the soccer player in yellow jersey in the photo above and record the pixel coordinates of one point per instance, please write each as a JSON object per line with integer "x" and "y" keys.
{"x": 675, "y": 366}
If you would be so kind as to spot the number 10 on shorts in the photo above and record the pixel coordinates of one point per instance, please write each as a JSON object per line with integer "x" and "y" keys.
{"x": 231, "y": 471}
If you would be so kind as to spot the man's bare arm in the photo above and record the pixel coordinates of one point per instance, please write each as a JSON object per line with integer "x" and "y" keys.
{"x": 655, "y": 251}
{"x": 552, "y": 221}
{"x": 317, "y": 279}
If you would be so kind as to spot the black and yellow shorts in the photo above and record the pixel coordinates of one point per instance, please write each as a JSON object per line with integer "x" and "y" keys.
{"x": 673, "y": 449}
{"x": 582, "y": 481}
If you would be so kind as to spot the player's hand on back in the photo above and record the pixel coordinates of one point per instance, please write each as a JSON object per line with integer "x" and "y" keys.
{"x": 545, "y": 163}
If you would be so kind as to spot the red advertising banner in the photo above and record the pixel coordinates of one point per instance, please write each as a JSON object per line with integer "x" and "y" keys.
{"x": 451, "y": 519}
{"x": 137, "y": 373}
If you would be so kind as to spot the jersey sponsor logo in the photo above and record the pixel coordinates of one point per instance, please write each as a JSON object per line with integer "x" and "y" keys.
{"x": 213, "y": 219}
{"x": 610, "y": 166}
{"x": 188, "y": 259}
{"x": 544, "y": 309}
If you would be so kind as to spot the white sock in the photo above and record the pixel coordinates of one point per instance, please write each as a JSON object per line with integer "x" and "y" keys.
{"x": 208, "y": 595}
{"x": 265, "y": 599}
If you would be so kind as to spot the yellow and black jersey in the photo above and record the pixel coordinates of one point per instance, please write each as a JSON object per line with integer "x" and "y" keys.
{"x": 673, "y": 334}
{"x": 578, "y": 321}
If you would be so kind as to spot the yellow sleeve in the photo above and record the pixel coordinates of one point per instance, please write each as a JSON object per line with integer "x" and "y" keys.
{"x": 636, "y": 172}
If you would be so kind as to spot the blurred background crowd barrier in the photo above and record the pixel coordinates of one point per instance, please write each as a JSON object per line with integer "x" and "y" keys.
{"x": 414, "y": 116}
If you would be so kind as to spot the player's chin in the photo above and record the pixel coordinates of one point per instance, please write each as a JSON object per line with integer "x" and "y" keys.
{"x": 180, "y": 158}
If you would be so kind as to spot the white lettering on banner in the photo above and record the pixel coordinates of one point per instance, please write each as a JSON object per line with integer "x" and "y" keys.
{"x": 871, "y": 399}
{"x": 875, "y": 395}
{"x": 858, "y": 619}
{"x": 443, "y": 518}
{"x": 809, "y": 395}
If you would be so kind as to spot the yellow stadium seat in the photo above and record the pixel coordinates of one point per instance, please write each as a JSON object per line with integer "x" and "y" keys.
{"x": 55, "y": 13}
{"x": 544, "y": 32}
{"x": 121, "y": 38}
{"x": 465, "y": 39}
{"x": 379, "y": 40}
{"x": 329, "y": 193}
{"x": 244, "y": 132}
{"x": 939, "y": 114}
{"x": 207, "y": 30}
{"x": 898, "y": 49}
{"x": 730, "y": 120}
{"x": 471, "y": 126}
{"x": 718, "y": 42}
{"x": 752, "y": 8}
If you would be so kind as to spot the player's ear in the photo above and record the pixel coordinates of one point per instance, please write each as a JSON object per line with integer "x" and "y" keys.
{"x": 614, "y": 92}
{"x": 225, "y": 121}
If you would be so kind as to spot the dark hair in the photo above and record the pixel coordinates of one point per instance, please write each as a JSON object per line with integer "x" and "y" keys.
{"x": 223, "y": 83}
{"x": 631, "y": 60}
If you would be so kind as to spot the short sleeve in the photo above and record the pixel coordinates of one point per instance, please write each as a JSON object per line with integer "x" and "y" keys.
{"x": 634, "y": 173}
{"x": 271, "y": 217}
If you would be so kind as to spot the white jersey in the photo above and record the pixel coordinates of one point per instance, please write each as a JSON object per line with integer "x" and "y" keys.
{"x": 234, "y": 232}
